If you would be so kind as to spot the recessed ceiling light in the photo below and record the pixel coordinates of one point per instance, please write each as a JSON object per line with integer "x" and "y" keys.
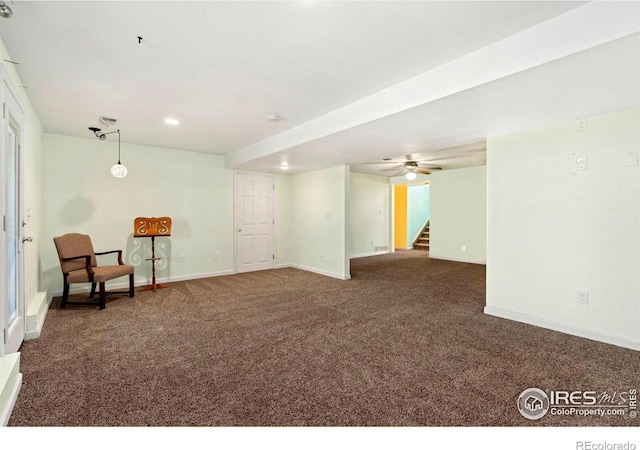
{"x": 170, "y": 121}
{"x": 285, "y": 166}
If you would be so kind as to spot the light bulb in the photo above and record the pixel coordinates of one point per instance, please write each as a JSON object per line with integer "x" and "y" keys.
{"x": 410, "y": 176}
{"x": 119, "y": 171}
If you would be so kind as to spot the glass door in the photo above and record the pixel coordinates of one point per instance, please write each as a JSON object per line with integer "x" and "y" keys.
{"x": 12, "y": 287}
{"x": 12, "y": 226}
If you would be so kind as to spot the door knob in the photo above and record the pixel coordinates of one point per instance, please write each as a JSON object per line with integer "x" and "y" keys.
{"x": 27, "y": 239}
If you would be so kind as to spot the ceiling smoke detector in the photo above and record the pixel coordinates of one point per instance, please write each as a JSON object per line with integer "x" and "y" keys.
{"x": 273, "y": 118}
{"x": 107, "y": 121}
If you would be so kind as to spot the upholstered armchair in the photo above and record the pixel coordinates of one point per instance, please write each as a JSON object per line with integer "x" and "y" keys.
{"x": 79, "y": 265}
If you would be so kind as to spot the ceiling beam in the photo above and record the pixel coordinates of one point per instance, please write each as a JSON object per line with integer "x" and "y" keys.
{"x": 579, "y": 29}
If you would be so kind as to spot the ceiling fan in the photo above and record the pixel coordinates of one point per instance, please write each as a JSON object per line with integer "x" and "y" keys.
{"x": 410, "y": 168}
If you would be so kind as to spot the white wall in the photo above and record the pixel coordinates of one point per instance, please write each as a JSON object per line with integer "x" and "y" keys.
{"x": 369, "y": 214}
{"x": 554, "y": 230}
{"x": 80, "y": 195}
{"x": 320, "y": 214}
{"x": 458, "y": 215}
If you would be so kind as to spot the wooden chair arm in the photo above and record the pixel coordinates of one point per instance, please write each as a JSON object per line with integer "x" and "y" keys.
{"x": 119, "y": 252}
{"x": 87, "y": 264}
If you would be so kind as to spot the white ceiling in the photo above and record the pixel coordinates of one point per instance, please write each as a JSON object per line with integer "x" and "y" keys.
{"x": 222, "y": 67}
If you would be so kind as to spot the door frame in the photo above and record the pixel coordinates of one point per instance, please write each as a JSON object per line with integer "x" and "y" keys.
{"x": 235, "y": 216}
{"x": 8, "y": 89}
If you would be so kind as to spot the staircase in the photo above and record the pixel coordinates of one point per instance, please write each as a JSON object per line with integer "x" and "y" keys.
{"x": 422, "y": 243}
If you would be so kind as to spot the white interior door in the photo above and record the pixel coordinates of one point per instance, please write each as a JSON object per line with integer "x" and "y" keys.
{"x": 12, "y": 298}
{"x": 255, "y": 224}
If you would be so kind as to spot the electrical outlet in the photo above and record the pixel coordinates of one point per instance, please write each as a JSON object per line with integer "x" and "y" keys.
{"x": 216, "y": 256}
{"x": 463, "y": 248}
{"x": 581, "y": 125}
{"x": 321, "y": 258}
{"x": 582, "y": 163}
{"x": 182, "y": 258}
{"x": 583, "y": 298}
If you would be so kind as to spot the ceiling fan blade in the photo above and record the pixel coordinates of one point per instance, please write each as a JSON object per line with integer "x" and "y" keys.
{"x": 392, "y": 168}
{"x": 380, "y": 162}
{"x": 430, "y": 167}
{"x": 422, "y": 171}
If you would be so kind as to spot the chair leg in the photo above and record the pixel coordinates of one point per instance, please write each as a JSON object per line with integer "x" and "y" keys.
{"x": 93, "y": 290}
{"x": 103, "y": 296}
{"x": 131, "y": 291}
{"x": 65, "y": 293}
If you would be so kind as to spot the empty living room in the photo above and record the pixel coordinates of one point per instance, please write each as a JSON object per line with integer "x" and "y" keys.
{"x": 320, "y": 223}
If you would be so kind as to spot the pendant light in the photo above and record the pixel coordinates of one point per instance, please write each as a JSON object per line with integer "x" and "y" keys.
{"x": 118, "y": 170}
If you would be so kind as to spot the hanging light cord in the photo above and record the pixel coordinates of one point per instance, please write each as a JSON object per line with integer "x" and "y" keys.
{"x": 118, "y": 146}
{"x": 117, "y": 131}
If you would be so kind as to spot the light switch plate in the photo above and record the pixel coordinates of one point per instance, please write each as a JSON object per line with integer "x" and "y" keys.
{"x": 631, "y": 158}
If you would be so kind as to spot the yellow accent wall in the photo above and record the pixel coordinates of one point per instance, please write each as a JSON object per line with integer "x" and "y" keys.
{"x": 400, "y": 216}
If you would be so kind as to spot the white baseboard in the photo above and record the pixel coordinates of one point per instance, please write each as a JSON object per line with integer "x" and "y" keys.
{"x": 445, "y": 258}
{"x": 365, "y": 255}
{"x": 562, "y": 328}
{"x": 6, "y": 414}
{"x": 86, "y": 287}
{"x": 10, "y": 379}
{"x": 37, "y": 314}
{"x": 193, "y": 276}
{"x": 326, "y": 273}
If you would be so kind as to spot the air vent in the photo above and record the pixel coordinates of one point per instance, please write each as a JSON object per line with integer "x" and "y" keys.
{"x": 108, "y": 121}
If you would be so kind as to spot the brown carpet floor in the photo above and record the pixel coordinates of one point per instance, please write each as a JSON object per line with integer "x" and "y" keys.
{"x": 404, "y": 343}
